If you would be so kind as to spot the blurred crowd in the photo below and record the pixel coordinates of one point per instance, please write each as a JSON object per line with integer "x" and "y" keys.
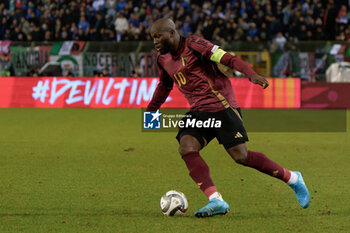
{"x": 215, "y": 20}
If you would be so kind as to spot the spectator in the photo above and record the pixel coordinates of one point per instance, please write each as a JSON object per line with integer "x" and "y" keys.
{"x": 208, "y": 29}
{"x": 46, "y": 21}
{"x": 58, "y": 27}
{"x": 309, "y": 35}
{"x": 6, "y": 68}
{"x": 24, "y": 26}
{"x": 120, "y": 5}
{"x": 302, "y": 34}
{"x": 93, "y": 35}
{"x": 83, "y": 24}
{"x": 66, "y": 18}
{"x": 121, "y": 25}
{"x": 226, "y": 33}
{"x": 274, "y": 27}
{"x": 90, "y": 13}
{"x": 343, "y": 16}
{"x": 97, "y": 4}
{"x": 239, "y": 35}
{"x": 253, "y": 32}
{"x": 340, "y": 36}
{"x": 105, "y": 72}
{"x": 287, "y": 14}
{"x": 110, "y": 6}
{"x": 73, "y": 31}
{"x": 329, "y": 20}
{"x": 110, "y": 34}
{"x": 48, "y": 36}
{"x": 3, "y": 26}
{"x": 186, "y": 29}
{"x": 14, "y": 24}
{"x": 319, "y": 34}
{"x": 306, "y": 6}
{"x": 279, "y": 12}
{"x": 316, "y": 7}
{"x": 280, "y": 40}
{"x": 134, "y": 20}
{"x": 263, "y": 32}
{"x": 80, "y": 36}
{"x": 29, "y": 37}
{"x": 74, "y": 12}
{"x": 99, "y": 21}
{"x": 68, "y": 73}
{"x": 133, "y": 31}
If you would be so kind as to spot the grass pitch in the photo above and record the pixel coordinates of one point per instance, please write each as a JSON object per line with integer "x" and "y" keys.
{"x": 85, "y": 170}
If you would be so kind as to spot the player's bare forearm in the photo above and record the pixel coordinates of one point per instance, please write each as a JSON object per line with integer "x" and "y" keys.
{"x": 260, "y": 80}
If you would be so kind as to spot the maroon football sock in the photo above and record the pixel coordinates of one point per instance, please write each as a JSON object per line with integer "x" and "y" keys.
{"x": 199, "y": 171}
{"x": 262, "y": 163}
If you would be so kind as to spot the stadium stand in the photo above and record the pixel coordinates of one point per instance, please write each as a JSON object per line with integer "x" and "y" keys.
{"x": 217, "y": 20}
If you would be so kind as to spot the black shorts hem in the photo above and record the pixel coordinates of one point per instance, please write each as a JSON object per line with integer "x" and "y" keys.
{"x": 232, "y": 144}
{"x": 192, "y": 133}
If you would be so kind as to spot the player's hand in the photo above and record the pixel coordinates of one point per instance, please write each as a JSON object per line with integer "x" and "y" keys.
{"x": 260, "y": 80}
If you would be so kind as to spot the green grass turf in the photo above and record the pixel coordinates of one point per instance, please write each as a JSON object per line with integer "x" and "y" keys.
{"x": 84, "y": 170}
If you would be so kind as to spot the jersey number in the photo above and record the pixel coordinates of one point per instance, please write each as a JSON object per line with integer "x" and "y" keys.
{"x": 180, "y": 78}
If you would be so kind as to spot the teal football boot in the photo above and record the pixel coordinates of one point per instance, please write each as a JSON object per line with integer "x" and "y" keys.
{"x": 301, "y": 191}
{"x": 215, "y": 207}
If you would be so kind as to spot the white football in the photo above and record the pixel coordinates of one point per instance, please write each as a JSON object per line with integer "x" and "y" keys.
{"x": 173, "y": 203}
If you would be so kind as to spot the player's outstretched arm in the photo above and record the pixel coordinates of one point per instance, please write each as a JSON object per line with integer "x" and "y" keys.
{"x": 218, "y": 55}
{"x": 234, "y": 62}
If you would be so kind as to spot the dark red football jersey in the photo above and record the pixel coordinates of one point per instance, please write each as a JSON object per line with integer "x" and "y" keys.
{"x": 204, "y": 86}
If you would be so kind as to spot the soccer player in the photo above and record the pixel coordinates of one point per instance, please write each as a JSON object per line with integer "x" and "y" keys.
{"x": 191, "y": 62}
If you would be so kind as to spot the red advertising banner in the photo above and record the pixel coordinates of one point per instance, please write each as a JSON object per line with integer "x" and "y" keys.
{"x": 282, "y": 93}
{"x": 325, "y": 95}
{"x": 51, "y": 92}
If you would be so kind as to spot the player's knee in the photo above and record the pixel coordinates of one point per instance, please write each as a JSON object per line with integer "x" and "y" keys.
{"x": 241, "y": 157}
{"x": 188, "y": 144}
{"x": 239, "y": 154}
{"x": 185, "y": 149}
{"x": 182, "y": 150}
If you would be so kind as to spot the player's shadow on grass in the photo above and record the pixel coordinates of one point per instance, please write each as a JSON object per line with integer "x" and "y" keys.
{"x": 90, "y": 212}
{"x": 271, "y": 215}
{"x": 122, "y": 212}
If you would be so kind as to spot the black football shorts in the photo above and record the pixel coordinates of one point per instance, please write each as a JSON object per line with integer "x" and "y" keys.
{"x": 230, "y": 133}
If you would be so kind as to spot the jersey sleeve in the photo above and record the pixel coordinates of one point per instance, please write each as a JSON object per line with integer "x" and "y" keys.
{"x": 162, "y": 91}
{"x": 235, "y": 63}
{"x": 201, "y": 46}
{"x": 216, "y": 54}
